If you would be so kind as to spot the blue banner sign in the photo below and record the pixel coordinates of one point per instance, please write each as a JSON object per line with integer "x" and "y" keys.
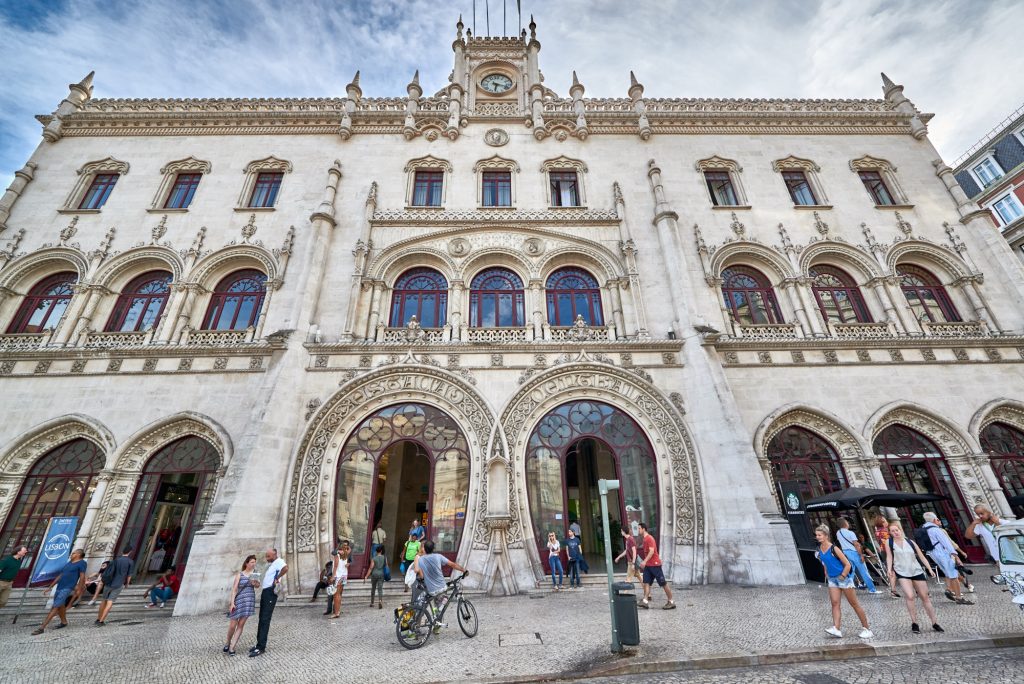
{"x": 56, "y": 549}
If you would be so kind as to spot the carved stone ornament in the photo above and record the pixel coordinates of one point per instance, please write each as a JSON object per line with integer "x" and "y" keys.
{"x": 496, "y": 137}
{"x": 459, "y": 247}
{"x": 533, "y": 246}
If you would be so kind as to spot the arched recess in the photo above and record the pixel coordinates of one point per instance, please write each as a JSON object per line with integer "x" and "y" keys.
{"x": 24, "y": 271}
{"x": 130, "y": 263}
{"x": 999, "y": 428}
{"x": 749, "y": 253}
{"x": 211, "y": 268}
{"x": 128, "y": 461}
{"x": 16, "y": 460}
{"x": 309, "y": 515}
{"x": 681, "y": 498}
{"x": 938, "y": 259}
{"x": 842, "y": 255}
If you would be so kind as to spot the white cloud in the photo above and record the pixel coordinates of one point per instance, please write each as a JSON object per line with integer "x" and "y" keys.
{"x": 956, "y": 59}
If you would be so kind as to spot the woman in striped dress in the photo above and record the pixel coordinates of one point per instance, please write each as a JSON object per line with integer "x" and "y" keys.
{"x": 243, "y": 602}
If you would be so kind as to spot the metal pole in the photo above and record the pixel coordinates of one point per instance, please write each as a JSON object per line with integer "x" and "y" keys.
{"x": 35, "y": 561}
{"x": 605, "y": 486}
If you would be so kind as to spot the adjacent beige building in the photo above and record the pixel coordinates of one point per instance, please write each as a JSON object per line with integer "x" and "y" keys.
{"x": 233, "y": 324}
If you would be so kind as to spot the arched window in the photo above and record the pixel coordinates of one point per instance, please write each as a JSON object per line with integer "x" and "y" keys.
{"x": 1005, "y": 446}
{"x": 926, "y": 296}
{"x": 236, "y": 301}
{"x": 573, "y": 292}
{"x": 140, "y": 304}
{"x": 911, "y": 462}
{"x": 45, "y": 304}
{"x": 59, "y": 484}
{"x": 799, "y": 455}
{"x": 496, "y": 300}
{"x": 749, "y": 296}
{"x": 838, "y": 296}
{"x": 423, "y": 293}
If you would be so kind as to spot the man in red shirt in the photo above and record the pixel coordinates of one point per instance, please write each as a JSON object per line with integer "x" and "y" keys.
{"x": 650, "y": 562}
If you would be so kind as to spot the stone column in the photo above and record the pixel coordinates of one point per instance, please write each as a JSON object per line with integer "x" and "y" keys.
{"x": 536, "y": 306}
{"x": 93, "y": 510}
{"x": 375, "y": 297}
{"x": 969, "y": 286}
{"x": 22, "y": 177}
{"x": 991, "y": 482}
{"x": 615, "y": 291}
{"x": 169, "y": 318}
{"x": 810, "y": 325}
{"x": 882, "y": 294}
{"x": 68, "y": 322}
{"x": 904, "y": 313}
{"x": 192, "y": 290}
{"x": 323, "y": 230}
{"x": 92, "y": 295}
{"x": 874, "y": 467}
{"x": 456, "y": 304}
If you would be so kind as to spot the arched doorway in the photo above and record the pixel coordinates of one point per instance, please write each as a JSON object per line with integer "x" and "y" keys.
{"x": 911, "y": 462}
{"x": 170, "y": 504}
{"x": 570, "y": 449}
{"x": 1005, "y": 446}
{"x": 59, "y": 484}
{"x": 403, "y": 462}
{"x": 801, "y": 456}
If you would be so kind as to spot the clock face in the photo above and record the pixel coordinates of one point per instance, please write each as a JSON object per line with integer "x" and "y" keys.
{"x": 496, "y": 83}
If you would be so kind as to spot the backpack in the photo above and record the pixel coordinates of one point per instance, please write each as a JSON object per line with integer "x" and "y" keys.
{"x": 109, "y": 574}
{"x": 923, "y": 539}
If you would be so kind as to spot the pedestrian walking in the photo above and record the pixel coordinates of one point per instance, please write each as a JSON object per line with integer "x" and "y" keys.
{"x": 340, "y": 576}
{"x": 906, "y": 565}
{"x": 629, "y": 553}
{"x": 378, "y": 537}
{"x": 555, "y": 561}
{"x": 164, "y": 589}
{"x": 650, "y": 564}
{"x": 243, "y": 602}
{"x": 417, "y": 531}
{"x": 375, "y": 573}
{"x": 69, "y": 582}
{"x": 985, "y": 521}
{"x": 840, "y": 583}
{"x": 326, "y": 577}
{"x": 116, "y": 577}
{"x": 574, "y": 527}
{"x": 409, "y": 553}
{"x": 269, "y": 588}
{"x": 851, "y": 547}
{"x": 10, "y": 566}
{"x": 881, "y": 525}
{"x": 934, "y": 541}
{"x": 93, "y": 586}
{"x": 574, "y": 551}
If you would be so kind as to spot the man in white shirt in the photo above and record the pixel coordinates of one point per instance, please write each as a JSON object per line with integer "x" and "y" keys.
{"x": 276, "y": 570}
{"x": 981, "y": 528}
{"x": 852, "y": 550}
{"x": 942, "y": 553}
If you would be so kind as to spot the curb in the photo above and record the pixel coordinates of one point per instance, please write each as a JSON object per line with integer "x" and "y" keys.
{"x": 629, "y": 665}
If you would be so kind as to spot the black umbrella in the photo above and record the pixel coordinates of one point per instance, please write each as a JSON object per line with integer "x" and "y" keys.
{"x": 860, "y": 497}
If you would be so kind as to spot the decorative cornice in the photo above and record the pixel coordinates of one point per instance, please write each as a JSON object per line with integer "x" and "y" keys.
{"x": 562, "y": 216}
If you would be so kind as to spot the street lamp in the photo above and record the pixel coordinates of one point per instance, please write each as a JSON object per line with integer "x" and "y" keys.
{"x": 603, "y": 487}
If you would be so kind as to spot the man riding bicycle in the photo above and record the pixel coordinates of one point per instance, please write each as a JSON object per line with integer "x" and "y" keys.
{"x": 429, "y": 568}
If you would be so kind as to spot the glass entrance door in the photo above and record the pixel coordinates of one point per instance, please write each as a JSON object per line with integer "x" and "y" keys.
{"x": 927, "y": 476}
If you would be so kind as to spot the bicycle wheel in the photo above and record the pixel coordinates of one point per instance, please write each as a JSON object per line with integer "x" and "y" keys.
{"x": 413, "y": 627}
{"x": 468, "y": 621}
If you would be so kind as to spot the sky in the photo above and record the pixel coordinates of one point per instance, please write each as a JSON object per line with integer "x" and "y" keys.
{"x": 955, "y": 57}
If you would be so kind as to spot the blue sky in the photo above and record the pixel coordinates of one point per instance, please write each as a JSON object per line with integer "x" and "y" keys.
{"x": 956, "y": 58}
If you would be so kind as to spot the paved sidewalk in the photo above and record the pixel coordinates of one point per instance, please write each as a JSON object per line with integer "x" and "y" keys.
{"x": 543, "y": 635}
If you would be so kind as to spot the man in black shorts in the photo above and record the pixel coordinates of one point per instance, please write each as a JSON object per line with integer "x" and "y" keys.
{"x": 650, "y": 562}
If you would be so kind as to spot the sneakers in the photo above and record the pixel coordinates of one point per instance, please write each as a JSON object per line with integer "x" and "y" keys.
{"x": 915, "y": 628}
{"x": 152, "y": 605}
{"x": 669, "y": 605}
{"x": 970, "y": 588}
{"x": 163, "y": 603}
{"x": 645, "y": 604}
{"x": 874, "y": 591}
{"x": 866, "y": 634}
{"x": 937, "y": 628}
{"x": 93, "y": 602}
{"x": 832, "y": 631}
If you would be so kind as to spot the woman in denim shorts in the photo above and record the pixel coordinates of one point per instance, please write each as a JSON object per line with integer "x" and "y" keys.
{"x": 840, "y": 582}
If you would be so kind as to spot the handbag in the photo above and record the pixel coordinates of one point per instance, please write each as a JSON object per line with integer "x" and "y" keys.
{"x": 387, "y": 571}
{"x": 401, "y": 567}
{"x": 332, "y": 589}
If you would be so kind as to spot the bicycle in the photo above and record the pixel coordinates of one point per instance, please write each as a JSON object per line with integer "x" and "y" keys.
{"x": 416, "y": 621}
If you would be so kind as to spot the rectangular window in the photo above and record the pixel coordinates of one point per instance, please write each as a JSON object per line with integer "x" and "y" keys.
{"x": 564, "y": 189}
{"x": 183, "y": 190}
{"x": 426, "y": 191}
{"x": 497, "y": 189}
{"x": 98, "y": 192}
{"x": 987, "y": 172}
{"x": 264, "y": 191}
{"x": 799, "y": 188}
{"x": 1008, "y": 208}
{"x": 876, "y": 188}
{"x": 720, "y": 187}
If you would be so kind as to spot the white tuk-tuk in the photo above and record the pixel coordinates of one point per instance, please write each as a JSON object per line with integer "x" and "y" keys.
{"x": 1010, "y": 540}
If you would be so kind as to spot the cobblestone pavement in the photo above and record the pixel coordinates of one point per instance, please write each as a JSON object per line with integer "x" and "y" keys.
{"x": 993, "y": 666}
{"x": 542, "y": 634}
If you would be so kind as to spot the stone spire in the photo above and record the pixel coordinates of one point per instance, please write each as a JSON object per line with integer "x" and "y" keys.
{"x": 353, "y": 93}
{"x": 636, "y": 94}
{"x": 414, "y": 89}
{"x": 353, "y": 90}
{"x": 576, "y": 90}
{"x": 78, "y": 94}
{"x": 893, "y": 94}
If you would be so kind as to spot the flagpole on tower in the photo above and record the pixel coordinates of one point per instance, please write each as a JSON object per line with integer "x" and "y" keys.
{"x": 487, "y": 14}
{"x": 504, "y": 6}
{"x": 474, "y": 16}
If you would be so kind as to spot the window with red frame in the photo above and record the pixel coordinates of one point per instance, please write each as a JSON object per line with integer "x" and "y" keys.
{"x": 423, "y": 293}
{"x": 564, "y": 189}
{"x": 839, "y": 299}
{"x": 183, "y": 190}
{"x": 140, "y": 303}
{"x": 264, "y": 191}
{"x": 1005, "y": 446}
{"x": 236, "y": 301}
{"x": 876, "y": 187}
{"x": 749, "y": 296}
{"x": 426, "y": 189}
{"x": 926, "y": 295}
{"x": 799, "y": 455}
{"x": 573, "y": 292}
{"x": 799, "y": 188}
{"x": 496, "y": 299}
{"x": 99, "y": 191}
{"x": 44, "y": 304}
{"x": 497, "y": 189}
